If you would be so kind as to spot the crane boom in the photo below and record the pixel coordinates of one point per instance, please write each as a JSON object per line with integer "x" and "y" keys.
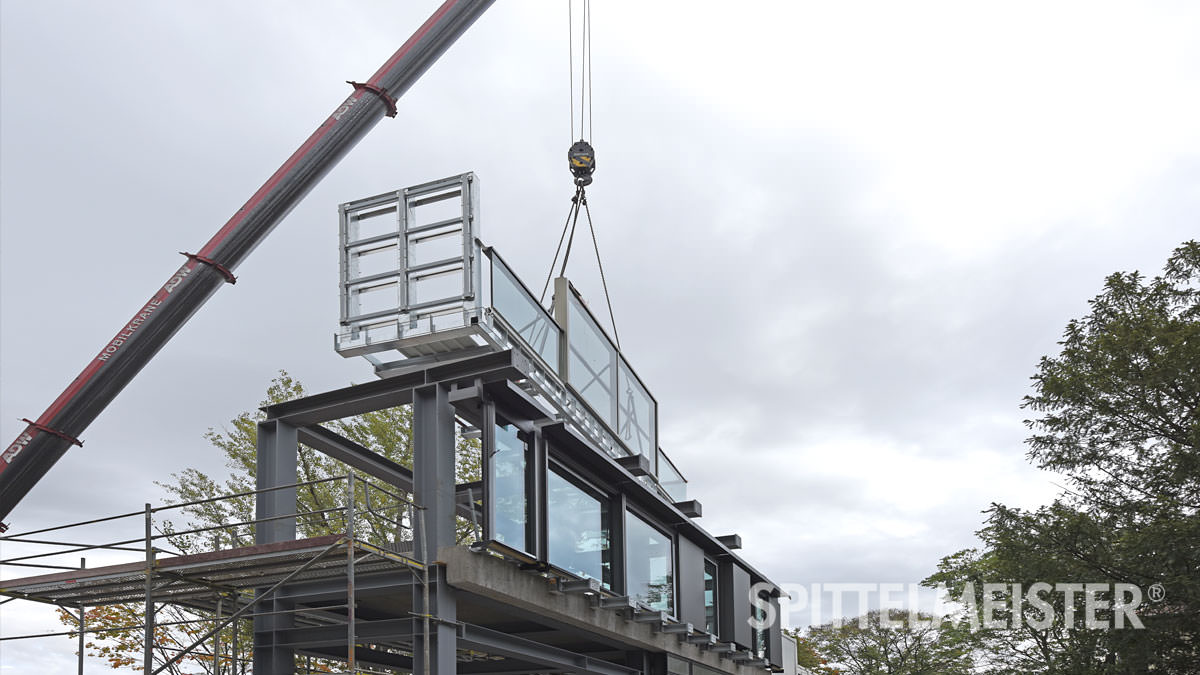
{"x": 27, "y": 459}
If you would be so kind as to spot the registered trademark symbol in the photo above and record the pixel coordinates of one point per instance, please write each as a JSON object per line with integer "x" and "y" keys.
{"x": 1156, "y": 592}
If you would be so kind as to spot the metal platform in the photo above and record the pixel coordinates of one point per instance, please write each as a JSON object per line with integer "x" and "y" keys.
{"x": 197, "y": 577}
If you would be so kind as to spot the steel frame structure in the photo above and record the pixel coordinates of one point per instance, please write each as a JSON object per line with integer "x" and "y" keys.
{"x": 414, "y": 599}
{"x": 389, "y": 606}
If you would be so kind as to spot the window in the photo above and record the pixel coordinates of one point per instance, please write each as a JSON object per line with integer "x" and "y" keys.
{"x": 509, "y": 505}
{"x": 710, "y": 596}
{"x": 649, "y": 556}
{"x": 577, "y": 525}
{"x": 759, "y": 637}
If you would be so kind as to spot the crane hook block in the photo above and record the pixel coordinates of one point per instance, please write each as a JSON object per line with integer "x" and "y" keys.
{"x": 582, "y": 161}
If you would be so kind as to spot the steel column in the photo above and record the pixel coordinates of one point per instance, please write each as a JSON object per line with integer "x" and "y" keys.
{"x": 433, "y": 491}
{"x": 276, "y": 466}
{"x": 433, "y": 468}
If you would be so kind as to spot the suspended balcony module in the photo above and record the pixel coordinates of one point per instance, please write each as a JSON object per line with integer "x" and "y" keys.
{"x": 418, "y": 286}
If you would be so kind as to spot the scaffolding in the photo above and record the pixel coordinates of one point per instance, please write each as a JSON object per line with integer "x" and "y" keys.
{"x": 371, "y": 531}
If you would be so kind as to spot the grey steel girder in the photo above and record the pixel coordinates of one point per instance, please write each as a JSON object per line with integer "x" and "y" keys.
{"x": 394, "y": 391}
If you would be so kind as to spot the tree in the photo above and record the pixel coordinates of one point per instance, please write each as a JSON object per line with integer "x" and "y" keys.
{"x": 1120, "y": 421}
{"x": 807, "y": 656}
{"x": 868, "y": 645}
{"x": 387, "y": 432}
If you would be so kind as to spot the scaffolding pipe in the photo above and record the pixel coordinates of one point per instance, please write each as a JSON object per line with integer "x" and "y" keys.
{"x": 148, "y": 645}
{"x": 82, "y": 622}
{"x": 31, "y": 455}
{"x": 350, "y": 600}
{"x": 217, "y": 638}
{"x": 257, "y": 599}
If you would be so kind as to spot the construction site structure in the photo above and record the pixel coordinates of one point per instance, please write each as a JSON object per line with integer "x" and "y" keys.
{"x": 578, "y": 550}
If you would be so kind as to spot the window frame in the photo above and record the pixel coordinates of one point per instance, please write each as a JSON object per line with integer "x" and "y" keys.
{"x": 494, "y": 417}
{"x": 608, "y": 503}
{"x": 669, "y": 533}
{"x": 716, "y": 595}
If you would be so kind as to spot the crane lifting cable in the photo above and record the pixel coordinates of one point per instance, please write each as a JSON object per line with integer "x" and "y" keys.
{"x": 581, "y": 157}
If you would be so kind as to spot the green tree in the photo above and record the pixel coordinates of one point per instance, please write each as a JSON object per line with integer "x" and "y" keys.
{"x": 387, "y": 432}
{"x": 1120, "y": 421}
{"x": 807, "y": 656}
{"x": 873, "y": 645}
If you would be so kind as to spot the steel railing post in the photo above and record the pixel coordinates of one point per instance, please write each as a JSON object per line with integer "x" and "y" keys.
{"x": 82, "y": 621}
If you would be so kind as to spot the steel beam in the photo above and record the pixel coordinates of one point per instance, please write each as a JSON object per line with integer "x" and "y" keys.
{"x": 373, "y": 464}
{"x": 345, "y": 450}
{"x": 495, "y": 642}
{"x": 383, "y": 630}
{"x": 393, "y": 391}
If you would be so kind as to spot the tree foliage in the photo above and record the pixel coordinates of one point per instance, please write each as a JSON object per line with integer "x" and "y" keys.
{"x": 1119, "y": 419}
{"x": 807, "y": 656}
{"x": 891, "y": 644}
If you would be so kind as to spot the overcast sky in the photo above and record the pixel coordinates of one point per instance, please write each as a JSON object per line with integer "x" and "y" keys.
{"x": 838, "y": 236}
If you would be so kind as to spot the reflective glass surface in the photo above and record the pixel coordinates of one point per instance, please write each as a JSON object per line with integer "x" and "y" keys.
{"x": 759, "y": 636}
{"x": 649, "y": 568}
{"x": 710, "y": 596}
{"x": 524, "y": 314}
{"x": 670, "y": 479}
{"x": 577, "y": 522}
{"x": 591, "y": 368}
{"x": 509, "y": 505}
{"x": 636, "y": 408}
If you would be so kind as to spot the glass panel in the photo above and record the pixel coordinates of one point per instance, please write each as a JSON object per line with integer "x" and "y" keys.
{"x": 373, "y": 259}
{"x": 637, "y": 413}
{"x": 649, "y": 565}
{"x": 436, "y": 208}
{"x": 710, "y": 596}
{"x": 592, "y": 363}
{"x": 759, "y": 637}
{"x": 578, "y": 527}
{"x": 363, "y": 225}
{"x": 509, "y": 505}
{"x": 669, "y": 478}
{"x": 524, "y": 314}
{"x": 433, "y": 245}
{"x": 444, "y": 283}
{"x": 677, "y": 666}
{"x": 374, "y": 298}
